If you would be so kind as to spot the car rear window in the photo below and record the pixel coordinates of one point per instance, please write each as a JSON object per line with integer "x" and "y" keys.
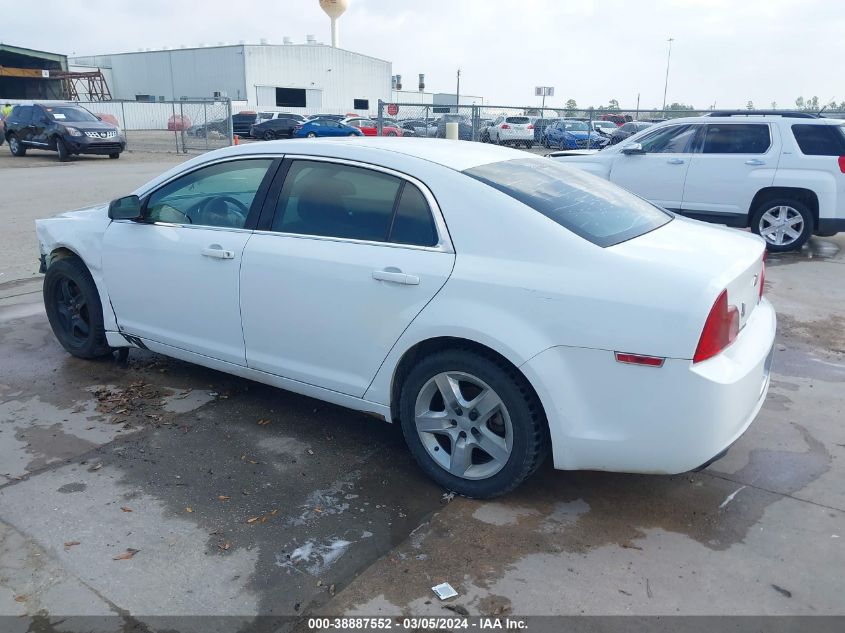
{"x": 820, "y": 140}
{"x": 590, "y": 207}
{"x": 517, "y": 119}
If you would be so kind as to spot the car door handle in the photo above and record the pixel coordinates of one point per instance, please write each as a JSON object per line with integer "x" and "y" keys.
{"x": 217, "y": 252}
{"x": 755, "y": 161}
{"x": 396, "y": 276}
{"x": 675, "y": 161}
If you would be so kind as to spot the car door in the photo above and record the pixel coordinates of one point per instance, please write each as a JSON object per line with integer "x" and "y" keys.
{"x": 21, "y": 122}
{"x": 732, "y": 162}
{"x": 657, "y": 173}
{"x": 173, "y": 278}
{"x": 354, "y": 252}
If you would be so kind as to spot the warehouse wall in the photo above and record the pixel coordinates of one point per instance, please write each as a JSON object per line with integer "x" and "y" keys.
{"x": 177, "y": 73}
{"x": 333, "y": 77}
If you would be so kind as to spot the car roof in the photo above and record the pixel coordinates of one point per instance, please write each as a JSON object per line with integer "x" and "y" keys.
{"x": 379, "y": 150}
{"x": 752, "y": 118}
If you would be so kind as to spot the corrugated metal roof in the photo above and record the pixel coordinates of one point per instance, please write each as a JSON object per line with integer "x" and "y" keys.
{"x": 30, "y": 52}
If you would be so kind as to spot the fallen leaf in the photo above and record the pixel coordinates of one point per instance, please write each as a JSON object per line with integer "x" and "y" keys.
{"x": 274, "y": 512}
{"x": 97, "y": 467}
{"x": 264, "y": 519}
{"x": 71, "y": 543}
{"x": 630, "y": 545}
{"x": 318, "y": 509}
{"x": 225, "y": 546}
{"x": 263, "y": 422}
{"x": 223, "y": 498}
{"x": 125, "y": 509}
{"x": 252, "y": 461}
{"x": 189, "y": 509}
{"x": 129, "y": 553}
{"x": 20, "y": 598}
{"x": 252, "y": 519}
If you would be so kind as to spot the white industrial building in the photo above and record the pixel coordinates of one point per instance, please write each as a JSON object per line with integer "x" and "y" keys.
{"x": 306, "y": 78}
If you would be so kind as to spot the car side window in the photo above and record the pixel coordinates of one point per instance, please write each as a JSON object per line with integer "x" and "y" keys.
{"x": 219, "y": 195}
{"x": 820, "y": 140}
{"x": 674, "y": 139}
{"x": 333, "y": 200}
{"x": 736, "y": 138}
{"x": 22, "y": 114}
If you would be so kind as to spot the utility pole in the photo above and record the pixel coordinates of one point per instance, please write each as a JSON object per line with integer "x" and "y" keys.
{"x": 666, "y": 83}
{"x": 458, "y": 92}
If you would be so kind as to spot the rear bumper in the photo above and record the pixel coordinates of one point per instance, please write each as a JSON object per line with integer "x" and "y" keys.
{"x": 604, "y": 415}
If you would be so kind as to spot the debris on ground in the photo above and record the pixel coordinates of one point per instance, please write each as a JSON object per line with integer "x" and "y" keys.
{"x": 129, "y": 553}
{"x": 69, "y": 544}
{"x": 138, "y": 398}
{"x": 782, "y": 591}
{"x": 457, "y": 608}
{"x": 730, "y": 497}
{"x": 630, "y": 545}
{"x": 20, "y": 598}
{"x": 125, "y": 509}
{"x": 444, "y": 591}
{"x": 447, "y": 496}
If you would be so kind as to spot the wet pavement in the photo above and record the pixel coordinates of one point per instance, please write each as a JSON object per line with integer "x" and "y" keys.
{"x": 155, "y": 487}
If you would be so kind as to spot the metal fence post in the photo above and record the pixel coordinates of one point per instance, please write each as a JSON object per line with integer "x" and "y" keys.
{"x": 205, "y": 122}
{"x": 230, "y": 131}
{"x": 123, "y": 119}
{"x": 426, "y": 121}
{"x": 380, "y": 119}
{"x": 590, "y": 131}
{"x": 181, "y": 126}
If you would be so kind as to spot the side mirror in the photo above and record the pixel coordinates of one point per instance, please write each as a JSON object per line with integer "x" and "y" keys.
{"x": 633, "y": 148}
{"x": 126, "y": 208}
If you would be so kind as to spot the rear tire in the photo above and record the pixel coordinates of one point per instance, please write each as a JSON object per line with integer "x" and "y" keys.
{"x": 74, "y": 309}
{"x": 15, "y": 146}
{"x": 311, "y": 135}
{"x": 515, "y": 431}
{"x": 61, "y": 149}
{"x": 784, "y": 223}
{"x": 268, "y": 136}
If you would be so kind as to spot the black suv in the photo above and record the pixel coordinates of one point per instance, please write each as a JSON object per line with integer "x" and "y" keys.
{"x": 66, "y": 129}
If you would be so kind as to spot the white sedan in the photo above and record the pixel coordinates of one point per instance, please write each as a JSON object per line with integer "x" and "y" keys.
{"x": 498, "y": 306}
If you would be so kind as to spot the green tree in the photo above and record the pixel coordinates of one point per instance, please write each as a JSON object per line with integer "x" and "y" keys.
{"x": 571, "y": 106}
{"x": 799, "y": 103}
{"x": 749, "y": 105}
{"x": 675, "y": 110}
{"x": 774, "y": 105}
{"x": 613, "y": 104}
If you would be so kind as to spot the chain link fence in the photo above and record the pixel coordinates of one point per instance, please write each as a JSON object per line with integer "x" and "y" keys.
{"x": 528, "y": 127}
{"x": 183, "y": 126}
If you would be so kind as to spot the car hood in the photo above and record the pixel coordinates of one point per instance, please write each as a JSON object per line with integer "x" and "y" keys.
{"x": 100, "y": 126}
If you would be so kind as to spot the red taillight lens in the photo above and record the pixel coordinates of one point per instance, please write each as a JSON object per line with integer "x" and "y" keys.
{"x": 530, "y": 127}
{"x": 505, "y": 126}
{"x": 639, "y": 359}
{"x": 842, "y": 164}
{"x": 720, "y": 329}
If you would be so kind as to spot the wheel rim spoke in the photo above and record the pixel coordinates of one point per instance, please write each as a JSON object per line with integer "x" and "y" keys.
{"x": 461, "y": 458}
{"x": 485, "y": 405}
{"x": 450, "y": 391}
{"x": 493, "y": 445}
{"x": 433, "y": 422}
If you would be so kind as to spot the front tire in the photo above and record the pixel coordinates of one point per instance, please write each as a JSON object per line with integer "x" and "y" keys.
{"x": 15, "y": 146}
{"x": 472, "y": 423}
{"x": 61, "y": 148}
{"x": 785, "y": 224}
{"x": 115, "y": 155}
{"x": 311, "y": 135}
{"x": 74, "y": 309}
{"x": 268, "y": 136}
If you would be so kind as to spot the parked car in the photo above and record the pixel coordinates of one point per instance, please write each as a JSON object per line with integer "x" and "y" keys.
{"x": 540, "y": 126}
{"x": 269, "y": 116}
{"x": 775, "y": 174}
{"x": 617, "y": 119}
{"x": 484, "y": 377}
{"x": 464, "y": 126}
{"x": 64, "y": 129}
{"x": 243, "y": 121}
{"x": 628, "y": 129}
{"x": 275, "y": 128}
{"x": 370, "y": 128}
{"x": 420, "y": 127}
{"x": 178, "y": 123}
{"x": 512, "y": 130}
{"x": 325, "y": 127}
{"x": 572, "y": 134}
{"x": 605, "y": 127}
{"x": 335, "y": 117}
{"x": 219, "y": 127}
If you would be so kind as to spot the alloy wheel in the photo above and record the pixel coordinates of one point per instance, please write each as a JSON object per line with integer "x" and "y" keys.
{"x": 464, "y": 425}
{"x": 72, "y": 309}
{"x": 781, "y": 225}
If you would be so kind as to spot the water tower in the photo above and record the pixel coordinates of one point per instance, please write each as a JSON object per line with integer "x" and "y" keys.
{"x": 334, "y": 9}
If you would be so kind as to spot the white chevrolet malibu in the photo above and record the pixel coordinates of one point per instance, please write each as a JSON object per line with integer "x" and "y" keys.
{"x": 497, "y": 305}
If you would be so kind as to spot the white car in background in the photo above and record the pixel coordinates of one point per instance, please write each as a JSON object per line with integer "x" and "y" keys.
{"x": 498, "y": 306}
{"x": 782, "y": 175}
{"x": 604, "y": 127}
{"x": 512, "y": 130}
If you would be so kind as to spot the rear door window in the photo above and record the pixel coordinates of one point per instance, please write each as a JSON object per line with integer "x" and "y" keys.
{"x": 22, "y": 114}
{"x": 820, "y": 140}
{"x": 344, "y": 201}
{"x": 590, "y": 207}
{"x": 736, "y": 138}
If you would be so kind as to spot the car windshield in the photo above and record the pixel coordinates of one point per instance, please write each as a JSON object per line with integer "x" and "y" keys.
{"x": 575, "y": 126}
{"x": 590, "y": 207}
{"x": 71, "y": 114}
{"x": 605, "y": 124}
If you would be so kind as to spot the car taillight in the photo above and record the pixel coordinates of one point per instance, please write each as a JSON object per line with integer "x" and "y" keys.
{"x": 763, "y": 274}
{"x": 639, "y": 359}
{"x": 296, "y": 128}
{"x": 530, "y": 126}
{"x": 842, "y": 164}
{"x": 720, "y": 329}
{"x": 505, "y": 126}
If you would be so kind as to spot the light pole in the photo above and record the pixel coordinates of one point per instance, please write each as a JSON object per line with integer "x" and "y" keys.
{"x": 666, "y": 83}
{"x": 458, "y": 92}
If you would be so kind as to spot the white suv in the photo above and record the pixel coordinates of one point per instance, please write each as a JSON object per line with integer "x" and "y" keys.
{"x": 512, "y": 130}
{"x": 781, "y": 174}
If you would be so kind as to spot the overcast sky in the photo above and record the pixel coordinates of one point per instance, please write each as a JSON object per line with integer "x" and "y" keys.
{"x": 725, "y": 51}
